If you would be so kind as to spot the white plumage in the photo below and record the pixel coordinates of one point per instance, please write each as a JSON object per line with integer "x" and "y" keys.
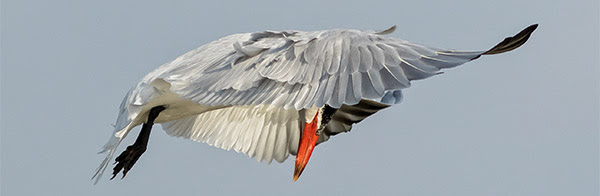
{"x": 252, "y": 92}
{"x": 253, "y": 130}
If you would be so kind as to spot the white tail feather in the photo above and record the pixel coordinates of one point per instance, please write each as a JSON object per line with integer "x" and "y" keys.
{"x": 109, "y": 148}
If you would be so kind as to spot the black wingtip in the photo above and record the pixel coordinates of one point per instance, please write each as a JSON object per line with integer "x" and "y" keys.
{"x": 510, "y": 43}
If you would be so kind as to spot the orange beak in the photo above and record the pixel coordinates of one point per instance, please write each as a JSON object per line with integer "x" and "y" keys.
{"x": 307, "y": 144}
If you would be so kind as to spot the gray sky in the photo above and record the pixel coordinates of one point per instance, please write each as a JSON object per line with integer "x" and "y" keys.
{"x": 520, "y": 123}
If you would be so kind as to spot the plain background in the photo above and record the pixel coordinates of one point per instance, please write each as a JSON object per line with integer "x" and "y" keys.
{"x": 520, "y": 123}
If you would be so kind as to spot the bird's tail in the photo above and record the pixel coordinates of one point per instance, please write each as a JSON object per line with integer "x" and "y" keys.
{"x": 123, "y": 125}
{"x": 109, "y": 149}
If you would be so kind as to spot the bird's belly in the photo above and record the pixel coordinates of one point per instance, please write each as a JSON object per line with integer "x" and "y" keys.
{"x": 176, "y": 106}
{"x": 183, "y": 109}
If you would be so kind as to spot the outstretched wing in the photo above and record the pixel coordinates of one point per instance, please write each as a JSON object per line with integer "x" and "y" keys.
{"x": 293, "y": 69}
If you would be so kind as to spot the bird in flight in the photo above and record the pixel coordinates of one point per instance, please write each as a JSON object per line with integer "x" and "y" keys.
{"x": 273, "y": 94}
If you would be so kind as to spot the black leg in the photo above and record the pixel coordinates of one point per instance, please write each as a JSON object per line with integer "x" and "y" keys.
{"x": 127, "y": 159}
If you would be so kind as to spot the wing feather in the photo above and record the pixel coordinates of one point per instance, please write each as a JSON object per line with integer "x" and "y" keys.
{"x": 376, "y": 81}
{"x": 280, "y": 151}
{"x": 257, "y": 131}
{"x": 263, "y": 136}
{"x": 368, "y": 87}
{"x": 378, "y": 57}
{"x": 355, "y": 60}
{"x": 340, "y": 90}
{"x": 304, "y": 69}
{"x": 357, "y": 85}
{"x": 336, "y": 57}
{"x": 331, "y": 84}
{"x": 366, "y": 59}
{"x": 345, "y": 56}
{"x": 350, "y": 98}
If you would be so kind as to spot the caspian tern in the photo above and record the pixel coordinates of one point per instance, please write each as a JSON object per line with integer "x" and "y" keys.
{"x": 273, "y": 94}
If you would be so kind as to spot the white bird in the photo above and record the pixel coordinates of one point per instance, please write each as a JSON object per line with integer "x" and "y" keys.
{"x": 273, "y": 94}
